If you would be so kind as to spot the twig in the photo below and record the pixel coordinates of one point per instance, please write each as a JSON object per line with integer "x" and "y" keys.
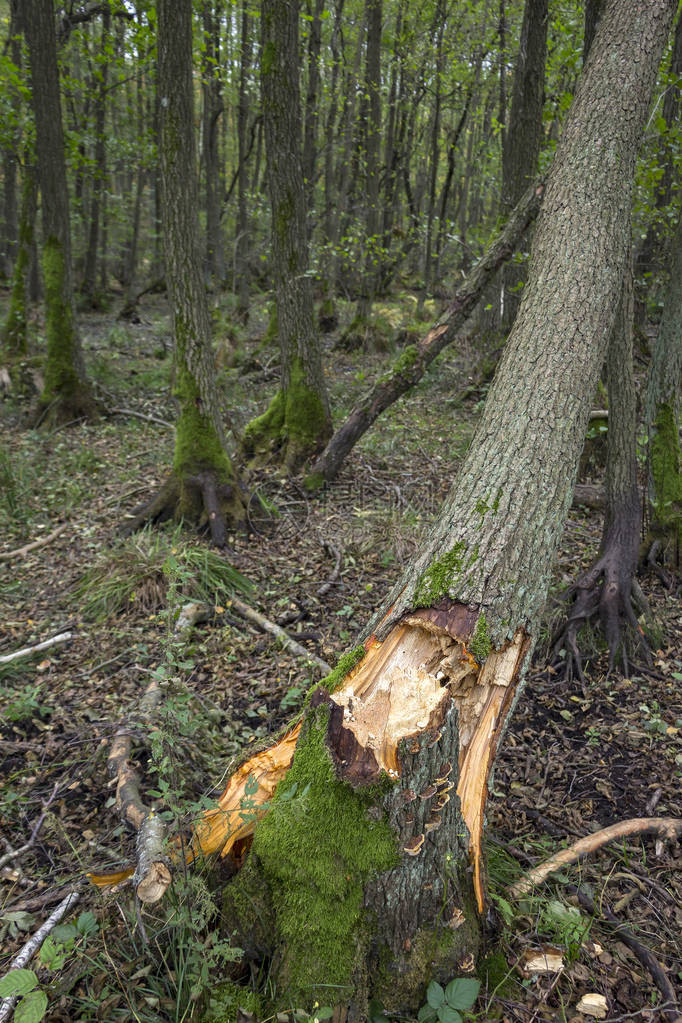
{"x": 285, "y": 639}
{"x": 665, "y": 827}
{"x": 26, "y": 953}
{"x": 20, "y": 551}
{"x": 331, "y": 549}
{"x": 61, "y": 638}
{"x": 647, "y": 959}
{"x": 14, "y": 854}
{"x": 140, "y": 415}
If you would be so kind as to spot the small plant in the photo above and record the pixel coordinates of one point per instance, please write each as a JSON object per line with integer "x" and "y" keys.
{"x": 447, "y": 1004}
{"x": 565, "y": 924}
{"x": 23, "y": 704}
{"x": 23, "y": 984}
{"x": 15, "y": 478}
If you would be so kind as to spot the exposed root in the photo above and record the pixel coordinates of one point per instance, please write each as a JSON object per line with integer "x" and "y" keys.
{"x": 604, "y": 590}
{"x": 201, "y": 498}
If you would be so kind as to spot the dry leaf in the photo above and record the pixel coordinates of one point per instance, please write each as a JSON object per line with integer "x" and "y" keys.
{"x": 593, "y": 1005}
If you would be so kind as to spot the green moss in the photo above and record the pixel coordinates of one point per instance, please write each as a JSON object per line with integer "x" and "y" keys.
{"x": 316, "y": 848}
{"x": 344, "y": 666}
{"x": 406, "y": 360}
{"x": 666, "y": 463}
{"x": 268, "y": 58}
{"x": 304, "y": 416}
{"x": 480, "y": 645}
{"x": 264, "y": 432}
{"x": 61, "y": 377}
{"x": 197, "y": 445}
{"x": 439, "y": 576}
{"x": 496, "y": 974}
{"x": 226, "y": 1001}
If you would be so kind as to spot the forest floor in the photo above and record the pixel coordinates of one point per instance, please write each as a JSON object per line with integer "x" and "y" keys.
{"x": 577, "y": 756}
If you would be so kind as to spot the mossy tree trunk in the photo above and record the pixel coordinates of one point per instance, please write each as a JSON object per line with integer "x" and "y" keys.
{"x": 67, "y": 395}
{"x": 203, "y": 486}
{"x": 211, "y": 86}
{"x": 298, "y": 421}
{"x": 662, "y": 418}
{"x": 99, "y": 171}
{"x": 366, "y": 874}
{"x": 14, "y": 334}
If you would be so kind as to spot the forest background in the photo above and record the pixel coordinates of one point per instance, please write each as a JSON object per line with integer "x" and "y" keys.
{"x": 336, "y": 213}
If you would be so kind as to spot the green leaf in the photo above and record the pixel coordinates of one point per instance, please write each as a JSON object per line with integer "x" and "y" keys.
{"x": 324, "y": 1013}
{"x": 32, "y": 1008}
{"x": 462, "y": 993}
{"x": 427, "y": 1014}
{"x": 86, "y": 923}
{"x": 446, "y": 1014}
{"x": 435, "y": 995}
{"x": 17, "y": 982}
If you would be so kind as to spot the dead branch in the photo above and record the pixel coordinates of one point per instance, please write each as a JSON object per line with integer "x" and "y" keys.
{"x": 140, "y": 415}
{"x": 670, "y": 1007}
{"x": 26, "y": 953}
{"x": 27, "y": 650}
{"x": 666, "y": 828}
{"x": 152, "y": 875}
{"x": 13, "y": 854}
{"x": 330, "y": 549}
{"x": 27, "y": 548}
{"x": 265, "y": 625}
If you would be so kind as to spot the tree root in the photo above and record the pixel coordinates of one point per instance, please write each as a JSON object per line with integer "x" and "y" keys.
{"x": 606, "y": 589}
{"x": 200, "y": 498}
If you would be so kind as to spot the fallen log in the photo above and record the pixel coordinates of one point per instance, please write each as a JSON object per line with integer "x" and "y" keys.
{"x": 415, "y": 360}
{"x": 265, "y": 625}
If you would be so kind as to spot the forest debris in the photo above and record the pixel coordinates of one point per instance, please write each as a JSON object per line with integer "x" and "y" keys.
{"x": 667, "y": 828}
{"x": 13, "y": 854}
{"x": 593, "y": 1005}
{"x": 547, "y": 959}
{"x": 63, "y": 637}
{"x": 35, "y": 544}
{"x": 265, "y": 625}
{"x": 26, "y": 953}
{"x": 330, "y": 549}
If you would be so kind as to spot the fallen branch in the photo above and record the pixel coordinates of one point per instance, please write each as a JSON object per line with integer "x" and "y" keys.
{"x": 330, "y": 549}
{"x": 140, "y": 415}
{"x": 27, "y": 650}
{"x": 265, "y": 625}
{"x": 670, "y": 1007}
{"x": 20, "y": 551}
{"x": 26, "y": 953}
{"x": 666, "y": 828}
{"x": 152, "y": 874}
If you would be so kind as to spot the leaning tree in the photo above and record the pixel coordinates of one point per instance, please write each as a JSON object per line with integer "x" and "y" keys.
{"x": 203, "y": 485}
{"x": 297, "y": 422}
{"x": 366, "y": 873}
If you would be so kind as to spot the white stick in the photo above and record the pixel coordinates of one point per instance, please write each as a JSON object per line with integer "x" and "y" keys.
{"x": 19, "y": 553}
{"x": 61, "y": 638}
{"x": 25, "y": 954}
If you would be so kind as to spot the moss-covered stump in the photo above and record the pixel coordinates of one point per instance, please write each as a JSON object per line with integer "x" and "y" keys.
{"x": 365, "y": 876}
{"x": 294, "y": 428}
{"x": 210, "y": 502}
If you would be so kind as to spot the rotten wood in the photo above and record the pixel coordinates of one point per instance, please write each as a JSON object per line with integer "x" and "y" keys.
{"x": 34, "y": 545}
{"x": 665, "y": 828}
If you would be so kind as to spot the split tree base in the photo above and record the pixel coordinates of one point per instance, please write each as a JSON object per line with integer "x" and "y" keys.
{"x": 202, "y": 499}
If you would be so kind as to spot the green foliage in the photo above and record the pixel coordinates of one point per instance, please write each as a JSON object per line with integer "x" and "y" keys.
{"x": 23, "y": 704}
{"x": 16, "y": 477}
{"x": 444, "y": 1005}
{"x": 135, "y": 574}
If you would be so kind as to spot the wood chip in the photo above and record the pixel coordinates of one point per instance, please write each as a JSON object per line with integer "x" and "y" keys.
{"x": 593, "y": 1005}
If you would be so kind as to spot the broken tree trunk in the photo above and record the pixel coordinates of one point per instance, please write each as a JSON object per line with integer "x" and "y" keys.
{"x": 365, "y": 873}
{"x": 414, "y": 361}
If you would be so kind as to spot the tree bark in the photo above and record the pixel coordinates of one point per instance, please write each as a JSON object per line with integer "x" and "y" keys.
{"x": 298, "y": 421}
{"x": 10, "y": 153}
{"x": 242, "y": 244}
{"x": 367, "y": 873}
{"x": 213, "y": 105}
{"x": 370, "y": 153}
{"x": 415, "y": 359}
{"x": 203, "y": 486}
{"x": 14, "y": 334}
{"x": 66, "y": 396}
{"x": 89, "y": 285}
{"x": 662, "y": 418}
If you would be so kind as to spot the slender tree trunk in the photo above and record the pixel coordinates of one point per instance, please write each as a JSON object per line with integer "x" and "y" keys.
{"x": 662, "y": 418}
{"x": 328, "y": 319}
{"x": 371, "y": 144}
{"x": 67, "y": 395}
{"x": 368, "y": 864}
{"x": 298, "y": 422}
{"x": 311, "y": 114}
{"x": 14, "y": 335}
{"x": 10, "y": 153}
{"x": 523, "y": 134}
{"x": 212, "y": 109}
{"x": 243, "y": 244}
{"x": 434, "y": 157}
{"x": 89, "y": 285}
{"x": 203, "y": 486}
{"x": 415, "y": 360}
